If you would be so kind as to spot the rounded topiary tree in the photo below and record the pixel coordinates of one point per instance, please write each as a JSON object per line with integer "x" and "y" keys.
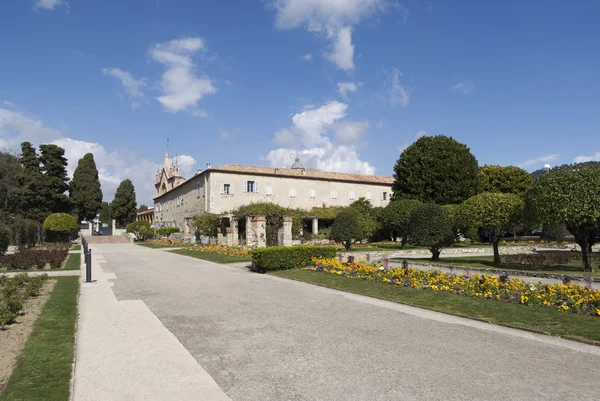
{"x": 431, "y": 227}
{"x": 396, "y": 216}
{"x": 138, "y": 228}
{"x": 346, "y": 229}
{"x": 569, "y": 194}
{"x": 61, "y": 224}
{"x": 436, "y": 169}
{"x": 495, "y": 212}
{"x": 507, "y": 180}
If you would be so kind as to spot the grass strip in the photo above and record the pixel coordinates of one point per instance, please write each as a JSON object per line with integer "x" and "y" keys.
{"x": 73, "y": 262}
{"x": 43, "y": 370}
{"x": 76, "y": 247}
{"x": 212, "y": 257}
{"x": 536, "y": 318}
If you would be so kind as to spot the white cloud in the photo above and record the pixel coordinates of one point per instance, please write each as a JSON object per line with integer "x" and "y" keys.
{"x": 181, "y": 87}
{"x": 200, "y": 113}
{"x": 398, "y": 95}
{"x": 343, "y": 50}
{"x": 593, "y": 158}
{"x": 131, "y": 85}
{"x": 16, "y": 127}
{"x": 350, "y": 132}
{"x": 307, "y": 57}
{"x": 464, "y": 87}
{"x": 186, "y": 165}
{"x": 344, "y": 87}
{"x": 380, "y": 124}
{"x": 9, "y": 104}
{"x": 332, "y": 18}
{"x": 541, "y": 159}
{"x": 224, "y": 134}
{"x": 311, "y": 130}
{"x": 406, "y": 144}
{"x": 49, "y": 4}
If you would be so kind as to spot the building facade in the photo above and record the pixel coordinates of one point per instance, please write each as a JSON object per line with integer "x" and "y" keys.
{"x": 222, "y": 189}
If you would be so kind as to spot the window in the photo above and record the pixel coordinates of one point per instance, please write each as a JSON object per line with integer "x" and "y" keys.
{"x": 333, "y": 194}
{"x": 292, "y": 193}
{"x": 251, "y": 186}
{"x": 352, "y": 195}
{"x": 384, "y": 196}
{"x": 313, "y": 193}
{"x": 226, "y": 189}
{"x": 268, "y": 191}
{"x": 368, "y": 196}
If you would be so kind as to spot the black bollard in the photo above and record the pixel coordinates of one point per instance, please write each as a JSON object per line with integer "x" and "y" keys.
{"x": 88, "y": 266}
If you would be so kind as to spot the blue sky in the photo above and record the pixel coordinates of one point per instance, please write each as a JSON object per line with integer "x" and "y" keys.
{"x": 347, "y": 83}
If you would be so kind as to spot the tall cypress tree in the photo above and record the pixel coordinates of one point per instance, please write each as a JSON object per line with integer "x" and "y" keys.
{"x": 10, "y": 168}
{"x": 105, "y": 215}
{"x": 56, "y": 181}
{"x": 85, "y": 191}
{"x": 124, "y": 206}
{"x": 31, "y": 202}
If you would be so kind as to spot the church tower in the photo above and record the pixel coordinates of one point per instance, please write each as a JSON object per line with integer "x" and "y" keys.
{"x": 168, "y": 176}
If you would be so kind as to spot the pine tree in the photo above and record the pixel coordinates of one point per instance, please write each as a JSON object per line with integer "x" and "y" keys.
{"x": 85, "y": 190}
{"x": 124, "y": 206}
{"x": 55, "y": 182}
{"x": 30, "y": 202}
{"x": 105, "y": 214}
{"x": 10, "y": 168}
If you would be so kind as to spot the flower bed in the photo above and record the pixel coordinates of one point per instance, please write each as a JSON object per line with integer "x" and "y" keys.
{"x": 14, "y": 291}
{"x": 572, "y": 297}
{"x": 165, "y": 242}
{"x": 238, "y": 252}
{"x": 32, "y": 259}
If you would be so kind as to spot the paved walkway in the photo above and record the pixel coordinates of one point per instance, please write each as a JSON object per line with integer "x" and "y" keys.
{"x": 177, "y": 323}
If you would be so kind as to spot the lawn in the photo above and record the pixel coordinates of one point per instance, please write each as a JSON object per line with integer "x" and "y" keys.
{"x": 76, "y": 247}
{"x": 73, "y": 262}
{"x": 213, "y": 257}
{"x": 43, "y": 370}
{"x": 574, "y": 267}
{"x": 506, "y": 314}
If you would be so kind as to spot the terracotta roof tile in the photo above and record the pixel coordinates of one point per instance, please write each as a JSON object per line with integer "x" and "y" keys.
{"x": 315, "y": 174}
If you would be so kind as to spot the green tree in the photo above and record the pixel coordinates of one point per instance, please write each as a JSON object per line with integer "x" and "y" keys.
{"x": 396, "y": 217}
{"x": 139, "y": 228}
{"x": 29, "y": 194}
{"x": 55, "y": 181}
{"x": 430, "y": 227}
{"x": 142, "y": 208}
{"x": 4, "y": 240}
{"x": 124, "y": 206}
{"x": 10, "y": 168}
{"x": 569, "y": 194}
{"x": 507, "y": 180}
{"x": 85, "y": 189}
{"x": 61, "y": 224}
{"x": 494, "y": 212}
{"x": 346, "y": 229}
{"x": 105, "y": 213}
{"x": 207, "y": 224}
{"x": 436, "y": 169}
{"x": 365, "y": 214}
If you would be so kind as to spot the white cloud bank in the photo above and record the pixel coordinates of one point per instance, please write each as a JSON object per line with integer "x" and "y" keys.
{"x": 398, "y": 95}
{"x": 334, "y": 19}
{"x": 537, "y": 160}
{"x": 593, "y": 158}
{"x": 343, "y": 88}
{"x": 464, "y": 87}
{"x": 309, "y": 135}
{"x": 132, "y": 86}
{"x": 113, "y": 166}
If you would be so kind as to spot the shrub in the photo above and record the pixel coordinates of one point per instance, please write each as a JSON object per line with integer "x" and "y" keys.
{"x": 207, "y": 224}
{"x": 29, "y": 259}
{"x": 539, "y": 259}
{"x": 4, "y": 240}
{"x": 62, "y": 224}
{"x": 139, "y": 229}
{"x": 24, "y": 233}
{"x": 165, "y": 232}
{"x": 288, "y": 257}
{"x": 346, "y": 229}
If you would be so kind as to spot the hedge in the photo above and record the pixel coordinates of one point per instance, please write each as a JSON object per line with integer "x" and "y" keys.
{"x": 167, "y": 231}
{"x": 288, "y": 257}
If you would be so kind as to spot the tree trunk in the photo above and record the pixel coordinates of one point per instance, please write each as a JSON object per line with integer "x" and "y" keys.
{"x": 586, "y": 256}
{"x": 347, "y": 245}
{"x": 404, "y": 240}
{"x": 435, "y": 254}
{"x": 496, "y": 251}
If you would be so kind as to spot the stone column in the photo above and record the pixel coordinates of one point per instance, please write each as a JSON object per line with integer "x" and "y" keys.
{"x": 260, "y": 229}
{"x": 220, "y": 239}
{"x": 315, "y": 226}
{"x": 114, "y": 226}
{"x": 285, "y": 232}
{"x": 250, "y": 240}
{"x": 234, "y": 232}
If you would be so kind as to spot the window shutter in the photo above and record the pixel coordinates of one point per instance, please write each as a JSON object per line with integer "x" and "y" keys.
{"x": 231, "y": 189}
{"x": 222, "y": 189}
{"x": 245, "y": 186}
{"x": 382, "y": 195}
{"x": 256, "y": 186}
